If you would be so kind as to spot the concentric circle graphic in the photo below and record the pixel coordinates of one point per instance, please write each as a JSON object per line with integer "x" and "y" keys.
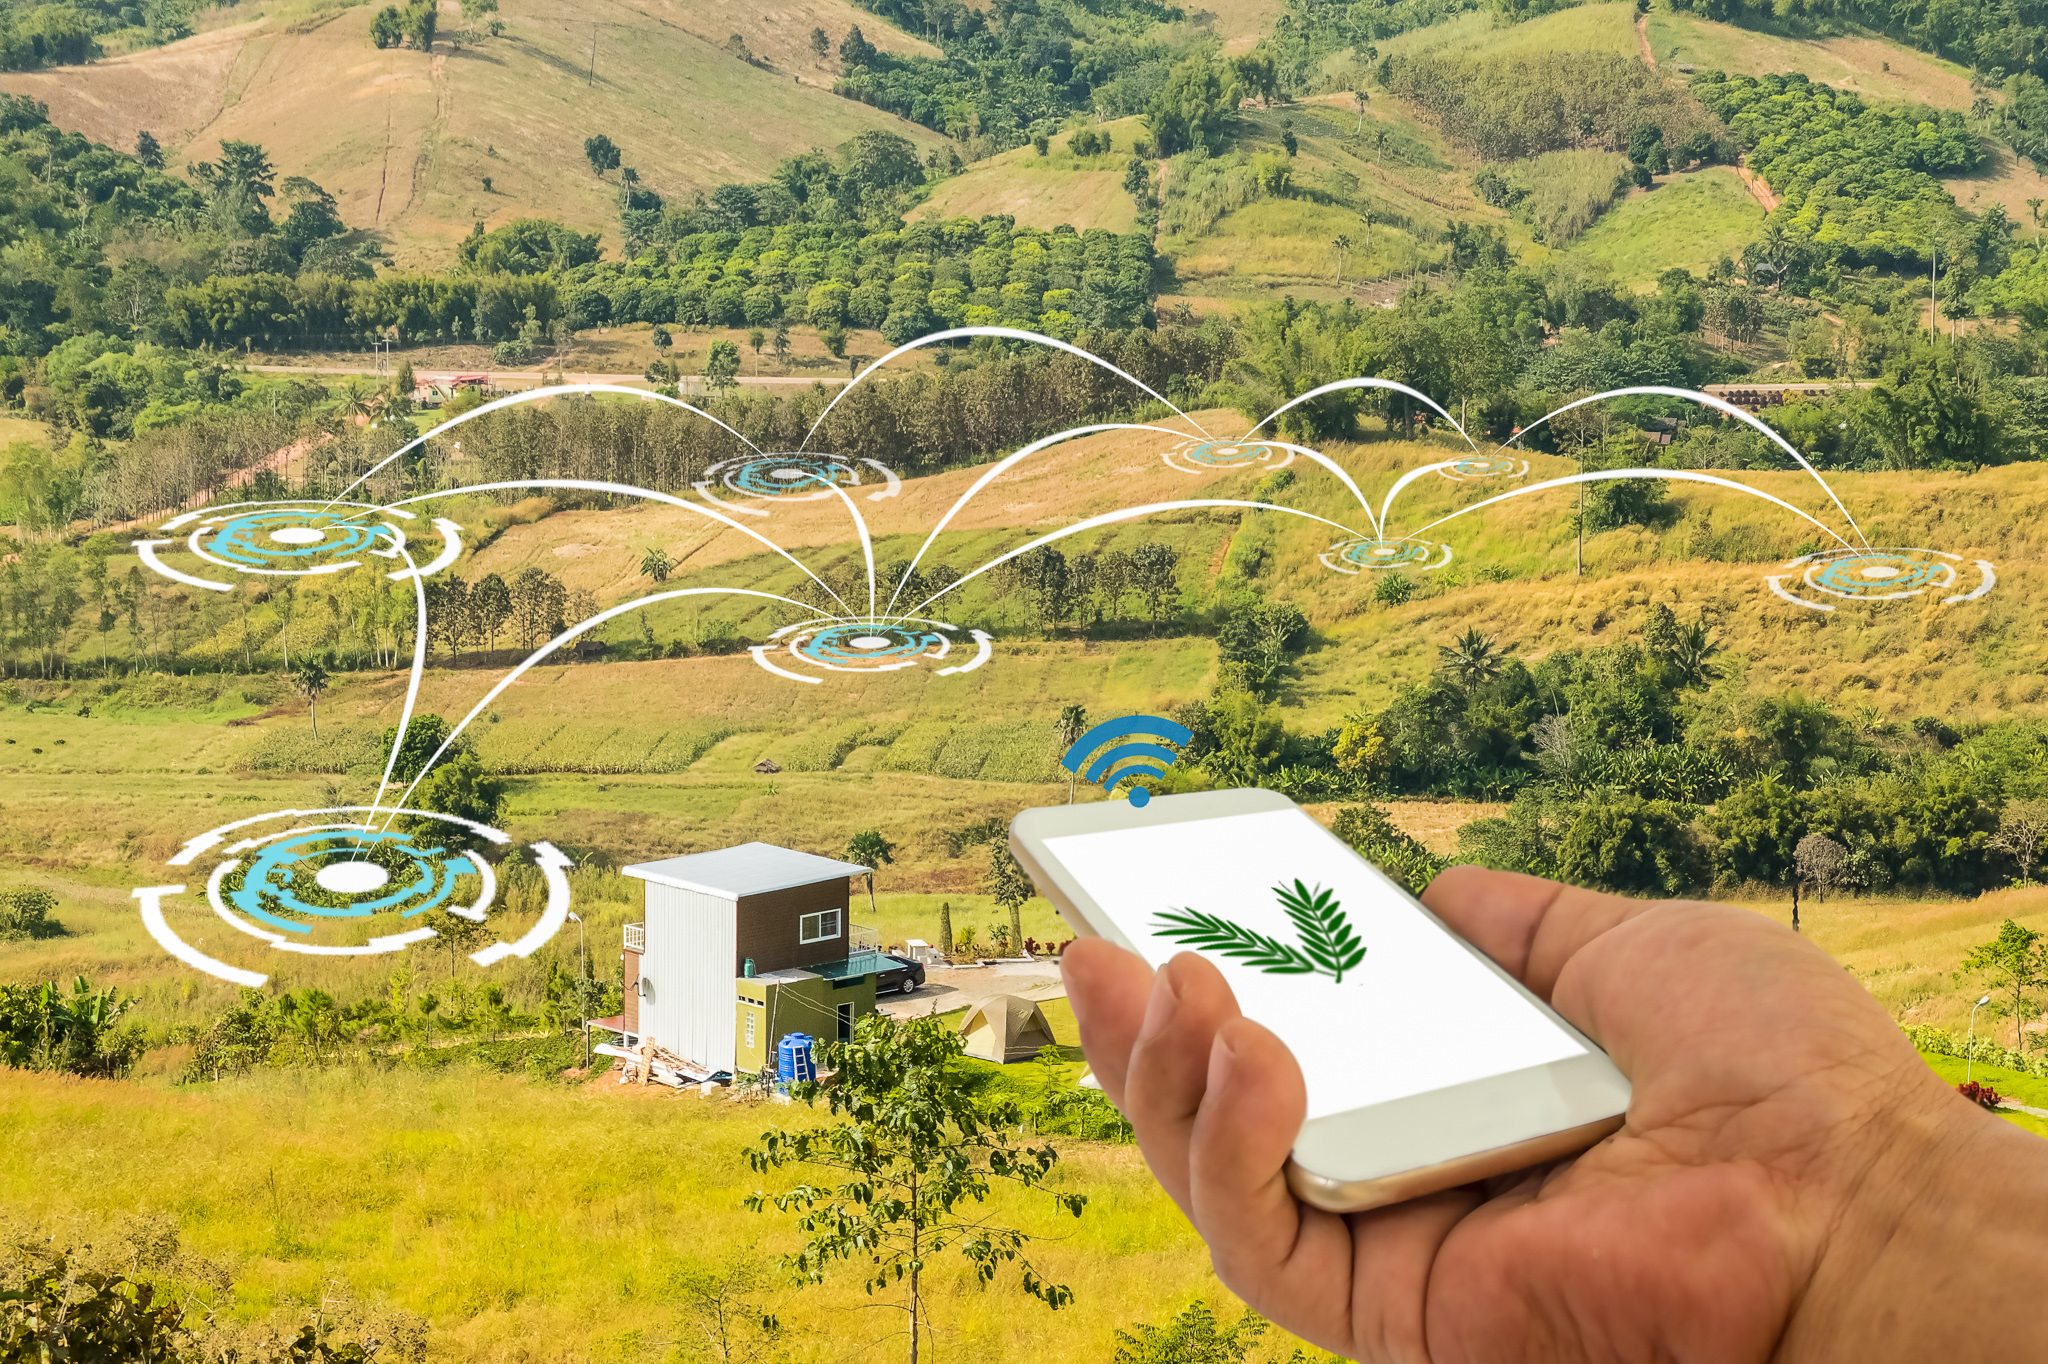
{"x": 288, "y": 541}
{"x": 1364, "y": 552}
{"x": 327, "y": 887}
{"x": 867, "y": 646}
{"x": 295, "y": 539}
{"x": 1209, "y": 456}
{"x": 791, "y": 477}
{"x": 1473, "y": 468}
{"x": 1883, "y": 574}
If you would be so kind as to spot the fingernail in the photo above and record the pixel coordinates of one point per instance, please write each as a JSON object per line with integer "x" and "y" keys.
{"x": 1222, "y": 1061}
{"x": 1163, "y": 1005}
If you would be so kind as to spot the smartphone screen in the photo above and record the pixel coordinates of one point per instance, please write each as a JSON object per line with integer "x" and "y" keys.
{"x": 1375, "y": 1000}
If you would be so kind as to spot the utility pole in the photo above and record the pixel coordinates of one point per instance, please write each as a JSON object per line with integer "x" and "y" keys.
{"x": 1933, "y": 306}
{"x": 591, "y": 79}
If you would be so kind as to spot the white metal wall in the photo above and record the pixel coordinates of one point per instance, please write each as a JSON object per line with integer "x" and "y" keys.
{"x": 690, "y": 948}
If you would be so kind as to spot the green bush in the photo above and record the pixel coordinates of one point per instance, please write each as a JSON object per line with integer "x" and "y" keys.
{"x": 1625, "y": 843}
{"x": 25, "y": 913}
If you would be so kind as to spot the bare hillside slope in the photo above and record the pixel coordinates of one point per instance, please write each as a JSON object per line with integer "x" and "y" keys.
{"x": 404, "y": 139}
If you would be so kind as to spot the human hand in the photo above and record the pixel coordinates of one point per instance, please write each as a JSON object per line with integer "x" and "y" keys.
{"x": 1791, "y": 1180}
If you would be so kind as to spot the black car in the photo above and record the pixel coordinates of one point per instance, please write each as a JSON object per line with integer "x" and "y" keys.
{"x": 899, "y": 974}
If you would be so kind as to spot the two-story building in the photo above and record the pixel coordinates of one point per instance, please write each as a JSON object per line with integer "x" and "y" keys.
{"x": 741, "y": 946}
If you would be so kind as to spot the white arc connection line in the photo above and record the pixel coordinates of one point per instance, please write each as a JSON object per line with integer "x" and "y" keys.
{"x": 628, "y": 490}
{"x": 412, "y": 690}
{"x": 1601, "y": 475}
{"x": 1719, "y": 405}
{"x": 565, "y": 637}
{"x": 1008, "y": 462}
{"x": 532, "y": 395}
{"x": 1131, "y": 514}
{"x": 1388, "y": 384}
{"x": 1010, "y": 333}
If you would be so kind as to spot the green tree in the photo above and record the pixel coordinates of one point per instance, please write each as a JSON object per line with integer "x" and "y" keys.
{"x": 423, "y": 735}
{"x": 490, "y": 605}
{"x": 2014, "y": 960}
{"x": 309, "y": 679}
{"x": 601, "y": 152}
{"x": 1472, "y": 659}
{"x": 821, "y": 44}
{"x": 1192, "y": 107}
{"x": 1258, "y": 638}
{"x": 1067, "y": 730}
{"x": 656, "y": 564}
{"x": 722, "y": 365}
{"x": 907, "y": 1169}
{"x": 458, "y": 786}
{"x": 1625, "y": 843}
{"x": 25, "y": 913}
{"x": 1155, "y": 577}
{"x": 1006, "y": 882}
{"x": 1760, "y": 826}
{"x": 871, "y": 850}
{"x": 1191, "y": 1336}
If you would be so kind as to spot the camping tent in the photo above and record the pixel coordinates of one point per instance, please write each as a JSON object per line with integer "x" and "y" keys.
{"x": 1006, "y": 1028}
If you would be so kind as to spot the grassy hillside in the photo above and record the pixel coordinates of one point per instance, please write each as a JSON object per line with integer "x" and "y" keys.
{"x": 1582, "y": 28}
{"x": 1687, "y": 221}
{"x": 1874, "y": 67}
{"x": 404, "y": 139}
{"x": 1045, "y": 191}
{"x": 1412, "y": 188}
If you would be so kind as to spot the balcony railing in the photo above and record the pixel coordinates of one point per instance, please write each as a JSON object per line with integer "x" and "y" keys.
{"x": 636, "y": 937}
{"x": 861, "y": 938}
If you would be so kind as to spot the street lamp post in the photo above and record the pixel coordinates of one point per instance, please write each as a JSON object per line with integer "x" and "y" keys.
{"x": 1969, "y": 1047}
{"x": 582, "y": 989}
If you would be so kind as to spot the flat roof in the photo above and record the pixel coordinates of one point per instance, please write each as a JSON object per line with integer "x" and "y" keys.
{"x": 749, "y": 869}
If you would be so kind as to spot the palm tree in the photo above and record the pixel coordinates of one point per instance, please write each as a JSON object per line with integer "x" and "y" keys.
{"x": 656, "y": 564}
{"x": 1360, "y": 97}
{"x": 309, "y": 679}
{"x": 1342, "y": 243}
{"x": 1692, "y": 654}
{"x": 1472, "y": 659}
{"x": 869, "y": 848}
{"x": 1071, "y": 725}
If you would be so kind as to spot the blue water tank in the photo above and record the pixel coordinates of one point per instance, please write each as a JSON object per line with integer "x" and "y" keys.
{"x": 793, "y": 1063}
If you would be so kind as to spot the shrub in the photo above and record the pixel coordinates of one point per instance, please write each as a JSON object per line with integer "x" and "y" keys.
{"x": 25, "y": 913}
{"x": 1626, "y": 843}
{"x": 1373, "y": 836}
{"x": 1983, "y": 1095}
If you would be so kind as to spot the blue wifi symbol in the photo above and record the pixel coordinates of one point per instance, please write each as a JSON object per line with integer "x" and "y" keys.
{"x": 1122, "y": 760}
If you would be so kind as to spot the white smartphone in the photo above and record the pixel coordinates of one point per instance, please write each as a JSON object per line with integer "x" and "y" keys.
{"x": 1427, "y": 1065}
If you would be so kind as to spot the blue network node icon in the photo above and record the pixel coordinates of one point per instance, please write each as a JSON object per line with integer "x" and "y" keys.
{"x": 1120, "y": 760}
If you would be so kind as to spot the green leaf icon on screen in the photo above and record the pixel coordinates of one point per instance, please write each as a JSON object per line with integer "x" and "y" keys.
{"x": 1328, "y": 947}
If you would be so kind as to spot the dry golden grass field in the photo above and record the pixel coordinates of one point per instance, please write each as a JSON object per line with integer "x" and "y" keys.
{"x": 403, "y": 139}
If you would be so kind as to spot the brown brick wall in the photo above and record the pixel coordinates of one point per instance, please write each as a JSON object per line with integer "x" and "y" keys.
{"x": 770, "y": 927}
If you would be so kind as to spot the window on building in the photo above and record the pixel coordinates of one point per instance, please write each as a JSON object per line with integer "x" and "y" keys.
{"x": 819, "y": 927}
{"x": 750, "y": 1029}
